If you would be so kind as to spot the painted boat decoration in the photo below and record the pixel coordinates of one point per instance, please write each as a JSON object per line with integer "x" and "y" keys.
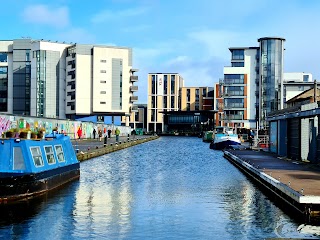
{"x": 224, "y": 138}
{"x": 33, "y": 167}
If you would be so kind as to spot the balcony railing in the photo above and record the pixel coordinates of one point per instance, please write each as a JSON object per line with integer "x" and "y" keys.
{"x": 133, "y": 98}
{"x": 133, "y": 78}
{"x": 234, "y": 105}
{"x": 134, "y": 88}
{"x": 233, "y": 117}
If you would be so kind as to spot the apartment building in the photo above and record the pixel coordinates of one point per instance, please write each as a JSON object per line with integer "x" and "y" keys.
{"x": 100, "y": 81}
{"x": 163, "y": 95}
{"x": 59, "y": 80}
{"x": 236, "y": 93}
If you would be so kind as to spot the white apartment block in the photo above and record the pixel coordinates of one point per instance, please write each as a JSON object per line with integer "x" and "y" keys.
{"x": 163, "y": 95}
{"x": 239, "y": 89}
{"x": 59, "y": 80}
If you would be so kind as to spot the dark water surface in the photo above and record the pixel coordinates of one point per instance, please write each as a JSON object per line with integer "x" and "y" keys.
{"x": 170, "y": 188}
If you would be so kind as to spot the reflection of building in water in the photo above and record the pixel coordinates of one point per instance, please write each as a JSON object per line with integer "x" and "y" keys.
{"x": 103, "y": 203}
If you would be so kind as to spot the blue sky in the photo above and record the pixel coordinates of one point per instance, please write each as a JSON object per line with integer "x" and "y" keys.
{"x": 190, "y": 37}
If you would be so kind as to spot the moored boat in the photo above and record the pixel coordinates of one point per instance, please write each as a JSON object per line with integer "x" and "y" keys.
{"x": 224, "y": 138}
{"x": 32, "y": 167}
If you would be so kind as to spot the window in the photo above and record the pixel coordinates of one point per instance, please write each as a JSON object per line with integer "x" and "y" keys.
{"x": 37, "y": 157}
{"x": 3, "y": 57}
{"x": 18, "y": 161}
{"x": 103, "y": 71}
{"x": 237, "y": 64}
{"x": 103, "y": 61}
{"x": 103, "y": 92}
{"x": 237, "y": 54}
{"x": 59, "y": 153}
{"x": 173, "y": 79}
{"x": 49, "y": 154}
{"x": 103, "y": 81}
{"x": 305, "y": 78}
{"x": 102, "y": 102}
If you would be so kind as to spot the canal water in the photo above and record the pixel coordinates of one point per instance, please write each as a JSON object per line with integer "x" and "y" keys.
{"x": 169, "y": 188}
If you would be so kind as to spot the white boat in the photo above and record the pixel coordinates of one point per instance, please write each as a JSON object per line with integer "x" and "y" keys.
{"x": 223, "y": 138}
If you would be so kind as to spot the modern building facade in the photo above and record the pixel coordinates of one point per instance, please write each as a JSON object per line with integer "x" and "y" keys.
{"x": 163, "y": 95}
{"x": 100, "y": 81}
{"x": 237, "y": 89}
{"x": 270, "y": 77}
{"x": 196, "y": 98}
{"x": 58, "y": 80}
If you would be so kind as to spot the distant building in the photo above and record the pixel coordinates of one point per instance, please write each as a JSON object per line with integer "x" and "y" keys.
{"x": 163, "y": 95}
{"x": 58, "y": 80}
{"x": 138, "y": 117}
{"x": 294, "y": 84}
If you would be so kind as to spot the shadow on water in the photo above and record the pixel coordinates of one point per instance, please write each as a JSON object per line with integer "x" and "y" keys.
{"x": 15, "y": 213}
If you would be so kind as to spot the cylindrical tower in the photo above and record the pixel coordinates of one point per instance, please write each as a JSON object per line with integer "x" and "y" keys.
{"x": 271, "y": 77}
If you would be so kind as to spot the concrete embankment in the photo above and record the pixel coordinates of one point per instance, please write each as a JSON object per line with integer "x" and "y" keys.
{"x": 292, "y": 185}
{"x": 92, "y": 153}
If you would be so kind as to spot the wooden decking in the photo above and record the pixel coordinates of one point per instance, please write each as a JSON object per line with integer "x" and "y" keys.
{"x": 296, "y": 183}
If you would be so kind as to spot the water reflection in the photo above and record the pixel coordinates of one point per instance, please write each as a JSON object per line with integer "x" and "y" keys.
{"x": 171, "y": 188}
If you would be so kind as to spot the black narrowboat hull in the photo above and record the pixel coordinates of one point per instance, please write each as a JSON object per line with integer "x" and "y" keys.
{"x": 16, "y": 187}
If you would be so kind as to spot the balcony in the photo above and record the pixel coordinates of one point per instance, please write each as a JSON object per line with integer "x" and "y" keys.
{"x": 134, "y": 70}
{"x": 134, "y": 88}
{"x": 134, "y": 108}
{"x": 133, "y": 98}
{"x": 257, "y": 81}
{"x": 133, "y": 78}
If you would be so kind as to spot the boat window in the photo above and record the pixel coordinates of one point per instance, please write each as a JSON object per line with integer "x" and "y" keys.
{"x": 37, "y": 157}
{"x": 18, "y": 159}
{"x": 49, "y": 154}
{"x": 59, "y": 153}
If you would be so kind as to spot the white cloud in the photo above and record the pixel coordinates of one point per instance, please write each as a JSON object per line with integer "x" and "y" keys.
{"x": 108, "y": 15}
{"x": 46, "y": 15}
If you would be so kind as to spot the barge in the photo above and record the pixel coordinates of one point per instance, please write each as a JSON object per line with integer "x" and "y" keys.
{"x": 29, "y": 168}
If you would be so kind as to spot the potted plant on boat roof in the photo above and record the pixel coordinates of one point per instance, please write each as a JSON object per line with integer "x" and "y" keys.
{"x": 11, "y": 133}
{"x": 24, "y": 133}
{"x": 34, "y": 134}
{"x": 41, "y": 132}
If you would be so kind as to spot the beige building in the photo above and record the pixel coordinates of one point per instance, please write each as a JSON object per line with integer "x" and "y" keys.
{"x": 196, "y": 98}
{"x": 137, "y": 118}
{"x": 163, "y": 95}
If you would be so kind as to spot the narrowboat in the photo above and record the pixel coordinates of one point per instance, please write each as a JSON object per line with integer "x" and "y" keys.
{"x": 33, "y": 167}
{"x": 224, "y": 138}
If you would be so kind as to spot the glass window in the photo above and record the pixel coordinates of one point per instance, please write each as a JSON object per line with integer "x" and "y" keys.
{"x": 173, "y": 80}
{"x": 237, "y": 54}
{"x": 103, "y": 92}
{"x": 237, "y": 64}
{"x": 305, "y": 78}
{"x": 37, "y": 157}
{"x": 59, "y": 153}
{"x": 18, "y": 159}
{"x": 49, "y": 154}
{"x": 3, "y": 57}
{"x": 103, "y": 61}
{"x": 103, "y": 71}
{"x": 102, "y": 81}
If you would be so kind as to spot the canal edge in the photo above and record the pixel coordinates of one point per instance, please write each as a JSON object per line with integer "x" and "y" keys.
{"x": 83, "y": 156}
